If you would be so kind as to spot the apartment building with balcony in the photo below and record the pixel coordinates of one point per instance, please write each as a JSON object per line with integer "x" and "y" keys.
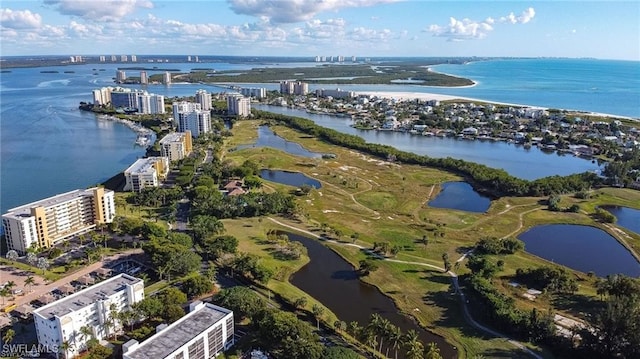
{"x": 55, "y": 219}
{"x": 176, "y": 145}
{"x": 145, "y": 173}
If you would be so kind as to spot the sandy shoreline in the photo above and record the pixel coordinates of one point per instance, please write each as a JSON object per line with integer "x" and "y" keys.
{"x": 438, "y": 97}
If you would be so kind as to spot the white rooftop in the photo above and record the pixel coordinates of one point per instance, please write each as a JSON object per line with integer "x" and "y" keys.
{"x": 143, "y": 165}
{"x": 25, "y": 210}
{"x": 85, "y": 297}
{"x": 179, "y": 333}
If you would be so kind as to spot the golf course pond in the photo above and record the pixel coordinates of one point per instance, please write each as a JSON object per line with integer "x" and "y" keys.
{"x": 583, "y": 248}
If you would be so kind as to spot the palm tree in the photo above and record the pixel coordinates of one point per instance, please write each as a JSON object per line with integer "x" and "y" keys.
{"x": 64, "y": 348}
{"x": 395, "y": 336}
{"x": 10, "y": 285}
{"x": 30, "y": 281}
{"x": 340, "y": 325}
{"x": 374, "y": 325}
{"x": 8, "y": 336}
{"x": 432, "y": 352}
{"x": 383, "y": 332}
{"x": 317, "y": 312}
{"x": 300, "y": 303}
{"x": 4, "y": 293}
{"x": 353, "y": 328}
{"x": 413, "y": 346}
{"x": 85, "y": 332}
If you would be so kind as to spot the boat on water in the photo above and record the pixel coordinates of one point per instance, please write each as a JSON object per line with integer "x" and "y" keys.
{"x": 142, "y": 140}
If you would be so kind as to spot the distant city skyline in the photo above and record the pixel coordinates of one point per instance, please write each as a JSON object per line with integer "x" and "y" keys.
{"x": 361, "y": 28}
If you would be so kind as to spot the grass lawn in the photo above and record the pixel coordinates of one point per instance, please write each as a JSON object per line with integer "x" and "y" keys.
{"x": 385, "y": 202}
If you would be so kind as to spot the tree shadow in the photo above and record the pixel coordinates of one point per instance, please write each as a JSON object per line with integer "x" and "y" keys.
{"x": 577, "y": 304}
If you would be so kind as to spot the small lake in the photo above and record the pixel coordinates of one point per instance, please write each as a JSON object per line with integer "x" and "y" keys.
{"x": 460, "y": 196}
{"x": 267, "y": 138}
{"x": 334, "y": 282}
{"x": 581, "y": 248}
{"x": 296, "y": 179}
{"x": 626, "y": 217}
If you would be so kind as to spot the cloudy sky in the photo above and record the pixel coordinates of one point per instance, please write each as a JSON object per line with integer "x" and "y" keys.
{"x": 601, "y": 29}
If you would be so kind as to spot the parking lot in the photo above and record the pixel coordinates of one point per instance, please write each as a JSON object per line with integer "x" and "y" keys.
{"x": 17, "y": 276}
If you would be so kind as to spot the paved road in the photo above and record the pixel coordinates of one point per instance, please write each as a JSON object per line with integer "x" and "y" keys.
{"x": 454, "y": 278}
{"x": 43, "y": 289}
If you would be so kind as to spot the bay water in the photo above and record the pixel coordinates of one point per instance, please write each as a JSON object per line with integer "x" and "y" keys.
{"x": 48, "y": 146}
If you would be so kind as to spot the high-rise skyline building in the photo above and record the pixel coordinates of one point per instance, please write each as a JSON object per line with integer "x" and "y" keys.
{"x": 204, "y": 99}
{"x": 166, "y": 78}
{"x": 121, "y": 76}
{"x": 134, "y": 58}
{"x": 103, "y": 58}
{"x": 176, "y": 145}
{"x": 124, "y": 58}
{"x": 144, "y": 78}
{"x": 238, "y": 105}
{"x": 55, "y": 219}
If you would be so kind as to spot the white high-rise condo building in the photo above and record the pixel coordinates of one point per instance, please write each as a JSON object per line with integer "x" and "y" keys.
{"x": 144, "y": 78}
{"x": 294, "y": 88}
{"x": 121, "y": 76}
{"x": 166, "y": 78}
{"x": 55, "y": 219}
{"x": 183, "y": 107}
{"x": 260, "y": 92}
{"x": 64, "y": 320}
{"x": 134, "y": 58}
{"x": 120, "y": 97}
{"x": 150, "y": 103}
{"x": 337, "y": 93}
{"x": 103, "y": 58}
{"x": 124, "y": 58}
{"x": 238, "y": 105}
{"x": 204, "y": 99}
{"x": 114, "y": 58}
{"x": 204, "y": 333}
{"x": 146, "y": 172}
{"x": 197, "y": 122}
{"x": 176, "y": 145}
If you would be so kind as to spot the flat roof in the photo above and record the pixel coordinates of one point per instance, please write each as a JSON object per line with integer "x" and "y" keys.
{"x": 179, "y": 333}
{"x": 143, "y": 165}
{"x": 85, "y": 297}
{"x": 172, "y": 137}
{"x": 25, "y": 209}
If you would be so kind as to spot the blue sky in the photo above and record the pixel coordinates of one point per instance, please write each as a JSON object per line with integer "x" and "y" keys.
{"x": 600, "y": 29}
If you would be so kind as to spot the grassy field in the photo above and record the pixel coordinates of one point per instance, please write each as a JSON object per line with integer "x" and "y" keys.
{"x": 379, "y": 201}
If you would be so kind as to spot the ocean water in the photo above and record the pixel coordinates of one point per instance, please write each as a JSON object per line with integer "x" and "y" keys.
{"x": 48, "y": 146}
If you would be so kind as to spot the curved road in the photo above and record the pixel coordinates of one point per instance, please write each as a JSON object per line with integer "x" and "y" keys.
{"x": 454, "y": 278}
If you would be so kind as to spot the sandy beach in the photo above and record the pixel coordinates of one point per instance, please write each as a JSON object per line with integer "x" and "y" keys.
{"x": 408, "y": 96}
{"x": 431, "y": 96}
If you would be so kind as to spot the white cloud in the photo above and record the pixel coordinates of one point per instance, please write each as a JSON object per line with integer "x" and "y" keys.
{"x": 458, "y": 30}
{"x": 466, "y": 29}
{"x": 290, "y": 11}
{"x": 524, "y": 18}
{"x": 19, "y": 19}
{"x": 104, "y": 10}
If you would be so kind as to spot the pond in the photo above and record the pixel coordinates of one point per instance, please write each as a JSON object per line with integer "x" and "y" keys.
{"x": 296, "y": 179}
{"x": 626, "y": 217}
{"x": 581, "y": 248}
{"x": 267, "y": 138}
{"x": 334, "y": 282}
{"x": 460, "y": 196}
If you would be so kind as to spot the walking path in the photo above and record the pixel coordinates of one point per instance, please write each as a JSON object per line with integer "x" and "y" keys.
{"x": 43, "y": 289}
{"x": 454, "y": 278}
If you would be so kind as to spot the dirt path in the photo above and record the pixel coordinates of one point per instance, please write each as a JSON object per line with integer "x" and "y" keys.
{"x": 454, "y": 278}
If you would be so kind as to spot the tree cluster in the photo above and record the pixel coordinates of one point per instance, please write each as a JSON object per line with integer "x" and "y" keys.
{"x": 496, "y": 180}
{"x": 493, "y": 245}
{"x": 550, "y": 279}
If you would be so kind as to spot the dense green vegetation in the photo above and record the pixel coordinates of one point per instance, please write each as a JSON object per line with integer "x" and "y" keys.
{"x": 331, "y": 74}
{"x": 497, "y": 181}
